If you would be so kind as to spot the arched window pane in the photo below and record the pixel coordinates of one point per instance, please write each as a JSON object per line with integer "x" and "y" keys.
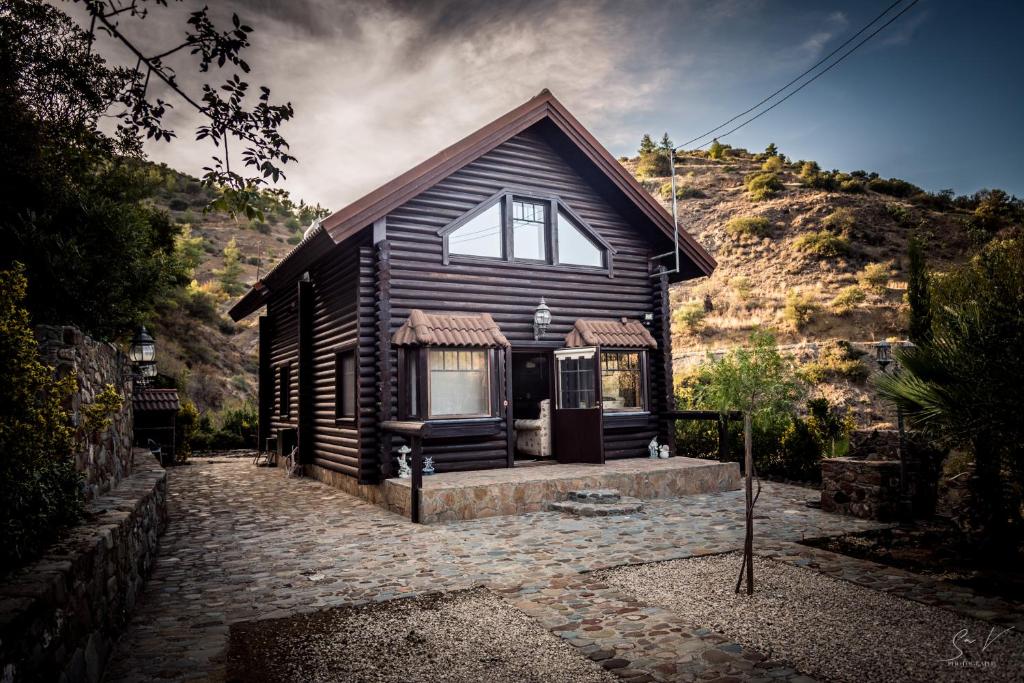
{"x": 574, "y": 247}
{"x": 481, "y": 236}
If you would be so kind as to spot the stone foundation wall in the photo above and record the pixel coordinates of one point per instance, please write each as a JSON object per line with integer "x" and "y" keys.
{"x": 869, "y": 489}
{"x": 107, "y": 457}
{"x": 60, "y": 616}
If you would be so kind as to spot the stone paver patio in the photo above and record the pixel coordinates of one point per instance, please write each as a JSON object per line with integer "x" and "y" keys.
{"x": 246, "y": 543}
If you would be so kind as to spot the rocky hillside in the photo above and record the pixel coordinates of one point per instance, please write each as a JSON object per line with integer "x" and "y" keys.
{"x": 200, "y": 349}
{"x": 817, "y": 257}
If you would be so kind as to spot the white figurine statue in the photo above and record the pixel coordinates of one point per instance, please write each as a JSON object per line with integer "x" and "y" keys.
{"x": 652, "y": 447}
{"x": 404, "y": 471}
{"x": 664, "y": 451}
{"x": 428, "y": 465}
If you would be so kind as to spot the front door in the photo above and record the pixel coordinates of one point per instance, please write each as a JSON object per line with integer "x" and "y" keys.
{"x": 577, "y": 411}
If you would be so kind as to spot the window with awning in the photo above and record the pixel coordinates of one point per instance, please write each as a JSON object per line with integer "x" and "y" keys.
{"x": 448, "y": 365}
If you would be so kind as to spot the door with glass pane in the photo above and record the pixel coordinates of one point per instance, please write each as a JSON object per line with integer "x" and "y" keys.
{"x": 577, "y": 411}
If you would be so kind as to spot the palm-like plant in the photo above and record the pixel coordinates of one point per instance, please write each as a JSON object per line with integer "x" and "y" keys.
{"x": 965, "y": 383}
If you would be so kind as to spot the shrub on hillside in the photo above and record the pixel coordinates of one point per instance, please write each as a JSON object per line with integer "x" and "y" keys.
{"x": 847, "y": 299}
{"x": 653, "y": 164}
{"x": 763, "y": 186}
{"x": 749, "y": 226}
{"x": 690, "y": 315}
{"x": 875, "y": 276}
{"x": 835, "y": 361}
{"x": 741, "y": 286}
{"x": 823, "y": 244}
{"x": 177, "y": 204}
{"x": 773, "y": 164}
{"x": 717, "y": 150}
{"x": 894, "y": 187}
{"x": 853, "y": 186}
{"x": 683, "y": 191}
{"x": 40, "y": 490}
{"x": 840, "y": 221}
{"x": 800, "y": 309}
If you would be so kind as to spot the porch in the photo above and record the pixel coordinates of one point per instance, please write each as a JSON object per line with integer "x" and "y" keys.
{"x": 454, "y": 496}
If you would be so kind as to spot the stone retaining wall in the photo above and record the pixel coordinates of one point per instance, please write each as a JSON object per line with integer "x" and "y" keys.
{"x": 106, "y": 458}
{"x": 869, "y": 489}
{"x": 60, "y": 616}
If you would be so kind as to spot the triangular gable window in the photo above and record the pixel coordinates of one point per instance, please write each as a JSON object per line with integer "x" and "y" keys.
{"x": 481, "y": 235}
{"x": 524, "y": 228}
{"x": 575, "y": 247}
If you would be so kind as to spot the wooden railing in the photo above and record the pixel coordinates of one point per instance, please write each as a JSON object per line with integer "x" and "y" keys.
{"x": 416, "y": 432}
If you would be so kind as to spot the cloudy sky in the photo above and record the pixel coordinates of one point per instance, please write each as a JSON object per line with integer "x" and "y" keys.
{"x": 937, "y": 98}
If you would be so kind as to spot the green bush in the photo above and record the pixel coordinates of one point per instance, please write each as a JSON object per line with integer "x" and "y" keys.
{"x": 653, "y": 164}
{"x": 763, "y": 186}
{"x": 185, "y": 428}
{"x": 853, "y": 186}
{"x": 40, "y": 490}
{"x": 749, "y": 226}
{"x": 847, "y": 299}
{"x": 717, "y": 150}
{"x": 823, "y": 244}
{"x": 799, "y": 309}
{"x": 177, "y": 204}
{"x": 840, "y": 221}
{"x": 239, "y": 425}
{"x": 894, "y": 187}
{"x": 682, "y": 191}
{"x": 773, "y": 164}
{"x": 690, "y": 315}
{"x": 875, "y": 276}
{"x": 836, "y": 361}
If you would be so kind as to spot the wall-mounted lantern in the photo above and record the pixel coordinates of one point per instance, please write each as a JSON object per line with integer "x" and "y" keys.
{"x": 541, "y": 319}
{"x": 648, "y": 319}
{"x": 142, "y": 354}
{"x": 883, "y": 354}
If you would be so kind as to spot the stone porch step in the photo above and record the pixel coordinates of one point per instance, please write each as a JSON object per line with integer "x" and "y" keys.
{"x": 595, "y": 495}
{"x": 622, "y": 506}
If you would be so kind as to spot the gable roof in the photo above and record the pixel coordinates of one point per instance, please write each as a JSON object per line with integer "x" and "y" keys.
{"x": 577, "y": 142}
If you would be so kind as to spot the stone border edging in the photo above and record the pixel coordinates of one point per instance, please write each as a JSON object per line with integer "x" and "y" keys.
{"x": 60, "y": 616}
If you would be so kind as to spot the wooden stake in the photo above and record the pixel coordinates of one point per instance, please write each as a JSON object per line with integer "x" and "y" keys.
{"x": 748, "y": 463}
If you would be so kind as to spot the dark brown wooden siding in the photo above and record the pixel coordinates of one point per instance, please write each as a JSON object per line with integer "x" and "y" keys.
{"x": 510, "y": 292}
{"x": 282, "y": 316}
{"x": 335, "y": 282}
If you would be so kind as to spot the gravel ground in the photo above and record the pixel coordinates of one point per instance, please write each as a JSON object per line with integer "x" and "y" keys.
{"x": 464, "y": 637}
{"x": 826, "y": 627}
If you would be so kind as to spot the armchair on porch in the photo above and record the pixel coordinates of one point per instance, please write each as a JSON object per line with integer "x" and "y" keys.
{"x": 533, "y": 437}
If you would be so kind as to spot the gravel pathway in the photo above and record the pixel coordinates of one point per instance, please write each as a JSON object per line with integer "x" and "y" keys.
{"x": 464, "y": 637}
{"x": 828, "y": 628}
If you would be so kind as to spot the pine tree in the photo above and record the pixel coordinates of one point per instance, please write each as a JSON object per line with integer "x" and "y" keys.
{"x": 666, "y": 144}
{"x": 771, "y": 150}
{"x": 646, "y": 145}
{"x": 232, "y": 269}
{"x": 918, "y": 293}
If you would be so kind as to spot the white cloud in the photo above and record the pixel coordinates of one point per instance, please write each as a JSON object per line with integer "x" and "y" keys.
{"x": 381, "y": 95}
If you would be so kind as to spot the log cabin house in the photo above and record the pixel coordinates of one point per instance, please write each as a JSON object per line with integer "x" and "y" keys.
{"x": 418, "y": 304}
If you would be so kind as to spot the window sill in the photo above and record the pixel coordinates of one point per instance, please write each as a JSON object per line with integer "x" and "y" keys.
{"x": 437, "y": 428}
{"x": 345, "y": 421}
{"x": 624, "y": 419}
{"x": 465, "y": 259}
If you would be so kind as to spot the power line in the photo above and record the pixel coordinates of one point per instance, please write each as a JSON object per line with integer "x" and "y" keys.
{"x": 820, "y": 62}
{"x": 816, "y": 76}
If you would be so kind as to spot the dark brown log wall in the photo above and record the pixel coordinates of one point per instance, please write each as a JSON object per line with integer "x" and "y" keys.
{"x": 283, "y": 333}
{"x": 510, "y": 292}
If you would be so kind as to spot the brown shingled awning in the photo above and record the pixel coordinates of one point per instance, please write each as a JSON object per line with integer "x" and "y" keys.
{"x": 447, "y": 329}
{"x": 622, "y": 333}
{"x": 155, "y": 400}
